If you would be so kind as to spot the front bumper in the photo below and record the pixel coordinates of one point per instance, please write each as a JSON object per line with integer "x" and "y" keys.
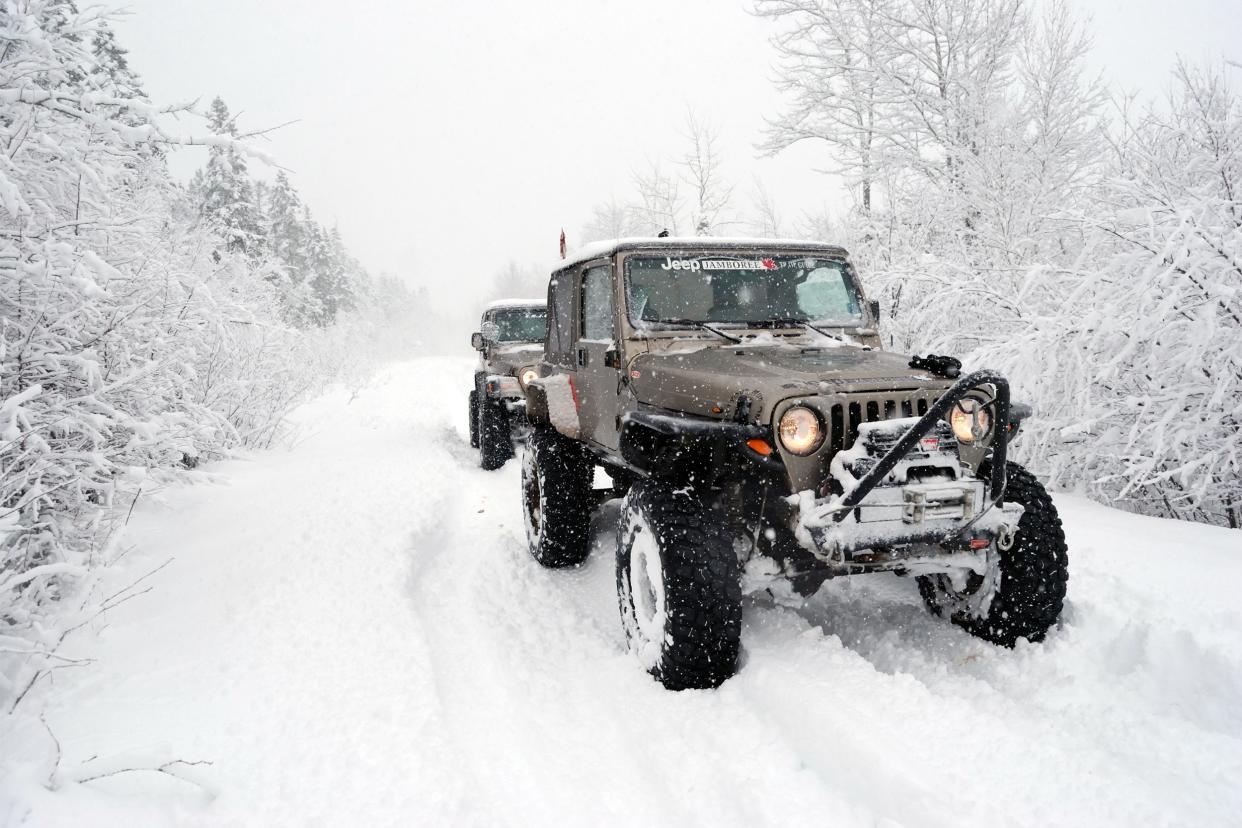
{"x": 506, "y": 391}
{"x": 900, "y": 500}
{"x": 896, "y": 524}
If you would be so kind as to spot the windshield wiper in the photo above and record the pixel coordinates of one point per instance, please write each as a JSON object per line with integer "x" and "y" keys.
{"x": 804, "y": 323}
{"x": 696, "y": 323}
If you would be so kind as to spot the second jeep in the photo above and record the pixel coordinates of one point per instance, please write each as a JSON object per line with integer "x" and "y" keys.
{"x": 510, "y": 344}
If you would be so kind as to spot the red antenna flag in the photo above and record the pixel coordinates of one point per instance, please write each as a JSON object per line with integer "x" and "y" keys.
{"x": 562, "y": 242}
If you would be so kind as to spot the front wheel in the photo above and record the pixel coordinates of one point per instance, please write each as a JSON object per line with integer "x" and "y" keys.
{"x": 495, "y": 445}
{"x": 1023, "y": 590}
{"x": 679, "y": 586}
{"x": 556, "y": 499}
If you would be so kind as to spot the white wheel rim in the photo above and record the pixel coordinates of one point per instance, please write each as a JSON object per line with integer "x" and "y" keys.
{"x": 647, "y": 610}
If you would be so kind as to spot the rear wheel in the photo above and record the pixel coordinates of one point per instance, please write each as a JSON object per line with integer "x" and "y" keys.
{"x": 679, "y": 586}
{"x": 1023, "y": 590}
{"x": 495, "y": 445}
{"x": 556, "y": 499}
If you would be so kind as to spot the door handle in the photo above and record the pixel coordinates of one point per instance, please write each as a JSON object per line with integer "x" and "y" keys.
{"x": 582, "y": 356}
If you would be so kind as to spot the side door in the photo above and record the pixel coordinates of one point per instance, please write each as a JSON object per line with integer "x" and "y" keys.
{"x": 560, "y": 356}
{"x": 597, "y": 357}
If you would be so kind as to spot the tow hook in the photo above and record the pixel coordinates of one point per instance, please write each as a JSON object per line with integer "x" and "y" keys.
{"x": 1005, "y": 536}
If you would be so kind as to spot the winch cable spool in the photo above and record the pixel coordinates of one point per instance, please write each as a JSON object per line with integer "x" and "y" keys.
{"x": 926, "y": 423}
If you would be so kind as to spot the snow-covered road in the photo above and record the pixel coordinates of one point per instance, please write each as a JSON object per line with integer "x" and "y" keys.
{"x": 351, "y": 633}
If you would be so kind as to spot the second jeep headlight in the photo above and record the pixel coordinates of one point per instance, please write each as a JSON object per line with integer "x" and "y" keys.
{"x": 800, "y": 431}
{"x": 970, "y": 420}
{"x": 527, "y": 375}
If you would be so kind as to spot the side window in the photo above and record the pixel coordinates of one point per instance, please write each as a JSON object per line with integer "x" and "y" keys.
{"x": 597, "y": 316}
{"x": 560, "y": 314}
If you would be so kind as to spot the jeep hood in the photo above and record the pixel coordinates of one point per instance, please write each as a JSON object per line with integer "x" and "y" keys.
{"x": 697, "y": 381}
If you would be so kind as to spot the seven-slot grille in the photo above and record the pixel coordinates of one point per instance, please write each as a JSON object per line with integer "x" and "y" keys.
{"x": 845, "y": 413}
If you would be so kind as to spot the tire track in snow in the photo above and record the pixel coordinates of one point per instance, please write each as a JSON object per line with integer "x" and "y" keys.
{"x": 856, "y": 695}
{"x": 562, "y": 725}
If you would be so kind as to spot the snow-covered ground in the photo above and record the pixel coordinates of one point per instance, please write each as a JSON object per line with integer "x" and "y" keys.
{"x": 350, "y": 632}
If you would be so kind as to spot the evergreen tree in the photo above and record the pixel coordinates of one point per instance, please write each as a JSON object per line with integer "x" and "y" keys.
{"x": 287, "y": 246}
{"x": 111, "y": 70}
{"x": 225, "y": 189}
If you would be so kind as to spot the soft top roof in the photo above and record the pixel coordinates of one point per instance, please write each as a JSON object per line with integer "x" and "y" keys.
{"x": 595, "y": 250}
{"x": 498, "y": 304}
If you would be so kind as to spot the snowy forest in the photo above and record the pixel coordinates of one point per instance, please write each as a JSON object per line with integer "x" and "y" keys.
{"x": 145, "y": 325}
{"x": 1009, "y": 209}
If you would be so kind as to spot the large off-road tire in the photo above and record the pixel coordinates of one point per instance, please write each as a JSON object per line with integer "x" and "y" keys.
{"x": 495, "y": 446}
{"x": 474, "y": 419}
{"x": 556, "y": 499}
{"x": 1022, "y": 593}
{"x": 679, "y": 586}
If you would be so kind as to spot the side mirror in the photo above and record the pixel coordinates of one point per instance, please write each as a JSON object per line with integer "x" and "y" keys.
{"x": 612, "y": 358}
{"x": 874, "y": 307}
{"x": 476, "y": 341}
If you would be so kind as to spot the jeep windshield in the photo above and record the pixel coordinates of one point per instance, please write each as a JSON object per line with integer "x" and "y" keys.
{"x": 520, "y": 324}
{"x": 747, "y": 289}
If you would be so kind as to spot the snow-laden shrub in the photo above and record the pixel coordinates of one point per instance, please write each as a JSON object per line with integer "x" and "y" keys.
{"x": 1139, "y": 367}
{"x": 1000, "y": 218}
{"x": 134, "y": 343}
{"x": 1129, "y": 344}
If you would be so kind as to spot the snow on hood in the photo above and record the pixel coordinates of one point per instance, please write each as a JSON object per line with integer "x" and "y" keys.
{"x": 696, "y": 380}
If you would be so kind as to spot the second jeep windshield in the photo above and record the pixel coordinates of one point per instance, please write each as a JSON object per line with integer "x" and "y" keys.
{"x": 520, "y": 324}
{"x": 756, "y": 290}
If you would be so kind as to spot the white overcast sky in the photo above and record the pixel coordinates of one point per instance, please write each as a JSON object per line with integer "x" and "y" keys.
{"x": 446, "y": 138}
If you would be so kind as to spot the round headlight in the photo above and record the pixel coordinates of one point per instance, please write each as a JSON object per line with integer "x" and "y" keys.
{"x": 526, "y": 375}
{"x": 970, "y": 420}
{"x": 800, "y": 431}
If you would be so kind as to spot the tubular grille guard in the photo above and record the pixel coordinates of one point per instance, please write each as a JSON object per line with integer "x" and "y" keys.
{"x": 959, "y": 390}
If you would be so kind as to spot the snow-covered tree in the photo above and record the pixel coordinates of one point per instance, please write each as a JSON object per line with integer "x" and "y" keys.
{"x": 609, "y": 220}
{"x": 225, "y": 190}
{"x": 1006, "y": 222}
{"x": 702, "y": 172}
{"x": 659, "y": 203}
{"x": 766, "y": 221}
{"x": 515, "y": 281}
{"x": 1155, "y": 335}
{"x": 834, "y": 59}
{"x": 134, "y": 340}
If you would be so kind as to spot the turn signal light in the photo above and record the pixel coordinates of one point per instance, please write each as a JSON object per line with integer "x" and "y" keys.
{"x": 759, "y": 446}
{"x": 979, "y": 543}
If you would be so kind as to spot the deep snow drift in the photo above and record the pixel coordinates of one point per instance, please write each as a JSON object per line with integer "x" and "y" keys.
{"x": 351, "y": 632}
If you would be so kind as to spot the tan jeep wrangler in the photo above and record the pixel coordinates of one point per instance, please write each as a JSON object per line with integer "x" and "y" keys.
{"x": 510, "y": 343}
{"x": 737, "y": 393}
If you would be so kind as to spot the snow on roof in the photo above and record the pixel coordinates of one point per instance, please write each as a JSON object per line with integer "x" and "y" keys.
{"x": 496, "y": 304}
{"x": 602, "y": 248}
